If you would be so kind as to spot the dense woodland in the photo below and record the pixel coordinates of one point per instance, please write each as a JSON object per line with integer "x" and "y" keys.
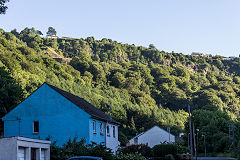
{"x": 143, "y": 85}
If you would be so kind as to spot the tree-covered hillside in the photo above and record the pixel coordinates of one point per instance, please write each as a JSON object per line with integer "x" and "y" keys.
{"x": 143, "y": 86}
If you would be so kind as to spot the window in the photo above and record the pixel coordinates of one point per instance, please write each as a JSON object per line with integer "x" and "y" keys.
{"x": 94, "y": 127}
{"x": 136, "y": 140}
{"x": 108, "y": 132}
{"x": 114, "y": 131}
{"x": 35, "y": 126}
{"x": 101, "y": 129}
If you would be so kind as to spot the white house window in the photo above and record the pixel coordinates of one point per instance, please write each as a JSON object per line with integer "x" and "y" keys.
{"x": 94, "y": 127}
{"x": 114, "y": 132}
{"x": 108, "y": 131}
{"x": 35, "y": 126}
{"x": 136, "y": 140}
{"x": 101, "y": 129}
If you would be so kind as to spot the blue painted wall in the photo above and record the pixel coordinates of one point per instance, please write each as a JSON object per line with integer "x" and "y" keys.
{"x": 96, "y": 137}
{"x": 58, "y": 118}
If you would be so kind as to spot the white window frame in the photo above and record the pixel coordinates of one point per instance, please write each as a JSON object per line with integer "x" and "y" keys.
{"x": 101, "y": 128}
{"x": 34, "y": 127}
{"x": 136, "y": 140}
{"x": 94, "y": 127}
{"x": 108, "y": 130}
{"x": 114, "y": 131}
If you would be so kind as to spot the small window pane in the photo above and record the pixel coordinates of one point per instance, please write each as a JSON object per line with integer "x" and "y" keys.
{"x": 36, "y": 126}
{"x": 114, "y": 131}
{"x": 101, "y": 128}
{"x": 94, "y": 126}
{"x": 108, "y": 132}
{"x": 136, "y": 140}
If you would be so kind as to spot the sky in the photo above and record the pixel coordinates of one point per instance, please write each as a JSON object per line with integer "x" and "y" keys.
{"x": 182, "y": 26}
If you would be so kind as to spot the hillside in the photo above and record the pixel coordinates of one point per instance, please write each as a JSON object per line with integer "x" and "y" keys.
{"x": 143, "y": 86}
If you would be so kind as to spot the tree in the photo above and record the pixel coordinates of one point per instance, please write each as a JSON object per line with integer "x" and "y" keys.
{"x": 3, "y": 8}
{"x": 10, "y": 93}
{"x": 51, "y": 31}
{"x": 215, "y": 126}
{"x": 39, "y": 33}
{"x": 151, "y": 46}
{"x": 118, "y": 80}
{"x": 15, "y": 32}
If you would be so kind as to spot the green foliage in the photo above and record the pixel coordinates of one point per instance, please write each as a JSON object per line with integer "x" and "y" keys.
{"x": 214, "y": 125}
{"x": 144, "y": 86}
{"x": 3, "y": 8}
{"x": 51, "y": 31}
{"x": 161, "y": 150}
{"x": 130, "y": 156}
{"x": 10, "y": 94}
{"x": 73, "y": 148}
{"x": 141, "y": 149}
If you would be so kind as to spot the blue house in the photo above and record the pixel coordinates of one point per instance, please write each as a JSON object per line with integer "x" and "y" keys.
{"x": 60, "y": 115}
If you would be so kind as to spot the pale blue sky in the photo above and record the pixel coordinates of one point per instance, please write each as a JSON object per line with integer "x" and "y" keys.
{"x": 208, "y": 26}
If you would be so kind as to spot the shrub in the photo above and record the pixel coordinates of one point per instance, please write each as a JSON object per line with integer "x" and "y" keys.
{"x": 100, "y": 151}
{"x": 74, "y": 148}
{"x": 161, "y": 150}
{"x": 182, "y": 149}
{"x": 169, "y": 157}
{"x": 142, "y": 149}
{"x": 25, "y": 50}
{"x": 130, "y": 156}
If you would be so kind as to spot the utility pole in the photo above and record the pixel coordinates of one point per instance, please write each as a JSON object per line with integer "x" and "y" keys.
{"x": 169, "y": 133}
{"x": 204, "y": 140}
{"x": 190, "y": 131}
{"x": 194, "y": 141}
{"x": 231, "y": 133}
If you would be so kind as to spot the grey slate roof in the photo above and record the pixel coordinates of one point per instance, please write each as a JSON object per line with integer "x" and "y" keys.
{"x": 84, "y": 105}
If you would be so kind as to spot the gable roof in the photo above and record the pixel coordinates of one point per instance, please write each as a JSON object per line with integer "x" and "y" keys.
{"x": 149, "y": 130}
{"x": 84, "y": 105}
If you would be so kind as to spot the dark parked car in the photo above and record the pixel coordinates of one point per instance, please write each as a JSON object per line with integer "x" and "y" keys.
{"x": 85, "y": 158}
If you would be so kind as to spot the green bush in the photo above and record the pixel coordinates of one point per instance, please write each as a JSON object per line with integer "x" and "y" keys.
{"x": 25, "y": 50}
{"x": 161, "y": 150}
{"x": 169, "y": 157}
{"x": 74, "y": 148}
{"x": 130, "y": 156}
{"x": 142, "y": 149}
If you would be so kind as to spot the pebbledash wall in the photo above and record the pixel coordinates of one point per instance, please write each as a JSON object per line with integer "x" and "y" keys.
{"x": 58, "y": 118}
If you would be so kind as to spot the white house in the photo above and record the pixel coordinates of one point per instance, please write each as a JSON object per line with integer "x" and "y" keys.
{"x": 21, "y": 148}
{"x": 152, "y": 137}
{"x": 52, "y": 36}
{"x": 112, "y": 137}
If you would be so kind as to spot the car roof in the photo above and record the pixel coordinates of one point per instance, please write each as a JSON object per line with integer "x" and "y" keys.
{"x": 97, "y": 158}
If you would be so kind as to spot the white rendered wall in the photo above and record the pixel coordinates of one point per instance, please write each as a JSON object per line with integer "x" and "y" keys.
{"x": 112, "y": 142}
{"x": 9, "y": 147}
{"x": 153, "y": 137}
